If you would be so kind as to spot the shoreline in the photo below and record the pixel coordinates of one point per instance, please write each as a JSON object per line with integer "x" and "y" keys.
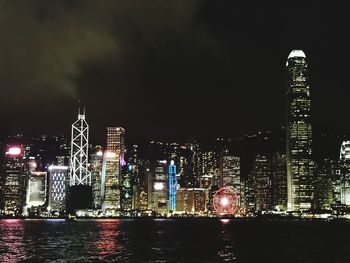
{"x": 189, "y": 218}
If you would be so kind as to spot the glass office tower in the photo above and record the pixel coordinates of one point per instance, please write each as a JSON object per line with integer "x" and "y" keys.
{"x": 298, "y": 134}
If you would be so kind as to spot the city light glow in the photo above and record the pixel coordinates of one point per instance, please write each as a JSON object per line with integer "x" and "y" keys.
{"x": 225, "y": 220}
{"x": 158, "y": 186}
{"x": 56, "y": 167}
{"x": 224, "y": 201}
{"x": 14, "y": 151}
{"x": 111, "y": 154}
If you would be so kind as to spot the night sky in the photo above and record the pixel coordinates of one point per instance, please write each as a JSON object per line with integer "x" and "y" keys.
{"x": 168, "y": 69}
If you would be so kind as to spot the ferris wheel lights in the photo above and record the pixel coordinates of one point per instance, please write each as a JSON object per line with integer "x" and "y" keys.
{"x": 224, "y": 201}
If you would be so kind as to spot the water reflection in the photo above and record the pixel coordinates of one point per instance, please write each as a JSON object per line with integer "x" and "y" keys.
{"x": 226, "y": 249}
{"x": 12, "y": 247}
{"x": 110, "y": 241}
{"x": 147, "y": 240}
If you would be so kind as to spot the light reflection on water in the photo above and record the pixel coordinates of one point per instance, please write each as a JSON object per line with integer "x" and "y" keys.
{"x": 12, "y": 235}
{"x": 224, "y": 220}
{"x": 226, "y": 249}
{"x": 183, "y": 240}
{"x": 106, "y": 242}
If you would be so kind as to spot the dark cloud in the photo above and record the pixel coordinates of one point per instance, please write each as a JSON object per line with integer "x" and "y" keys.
{"x": 42, "y": 44}
{"x": 165, "y": 68}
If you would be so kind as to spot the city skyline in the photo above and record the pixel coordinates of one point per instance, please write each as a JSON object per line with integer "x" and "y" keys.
{"x": 174, "y": 131}
{"x": 115, "y": 174}
{"x": 218, "y": 64}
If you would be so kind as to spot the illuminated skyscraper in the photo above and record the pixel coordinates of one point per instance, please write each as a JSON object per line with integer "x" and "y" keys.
{"x": 110, "y": 183}
{"x": 194, "y": 162}
{"x": 79, "y": 173}
{"x": 298, "y": 134}
{"x": 36, "y": 192}
{"x": 269, "y": 182}
{"x": 324, "y": 178}
{"x": 13, "y": 183}
{"x": 249, "y": 193}
{"x": 172, "y": 186}
{"x": 262, "y": 182}
{"x": 126, "y": 189}
{"x": 158, "y": 187}
{"x": 57, "y": 188}
{"x": 79, "y": 194}
{"x": 209, "y": 162}
{"x": 113, "y": 160}
{"x": 191, "y": 200}
{"x": 345, "y": 151}
{"x": 116, "y": 140}
{"x": 96, "y": 177}
{"x": 279, "y": 181}
{"x": 345, "y": 173}
{"x": 230, "y": 174}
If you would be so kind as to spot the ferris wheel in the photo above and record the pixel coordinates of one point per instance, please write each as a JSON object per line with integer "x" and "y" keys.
{"x": 225, "y": 201}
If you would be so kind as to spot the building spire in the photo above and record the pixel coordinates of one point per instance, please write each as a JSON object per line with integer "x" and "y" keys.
{"x": 78, "y": 107}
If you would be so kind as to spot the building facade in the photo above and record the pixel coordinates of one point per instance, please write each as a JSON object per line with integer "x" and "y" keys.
{"x": 298, "y": 133}
{"x": 126, "y": 193}
{"x": 270, "y": 182}
{"x": 110, "y": 183}
{"x": 116, "y": 140}
{"x": 262, "y": 183}
{"x": 191, "y": 200}
{"x": 323, "y": 176}
{"x": 345, "y": 173}
{"x": 13, "y": 184}
{"x": 230, "y": 174}
{"x": 58, "y": 183}
{"x": 36, "y": 192}
{"x": 96, "y": 164}
{"x": 158, "y": 194}
{"x": 172, "y": 186}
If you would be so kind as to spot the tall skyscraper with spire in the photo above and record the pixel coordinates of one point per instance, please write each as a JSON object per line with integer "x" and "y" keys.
{"x": 298, "y": 134}
{"x": 79, "y": 173}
